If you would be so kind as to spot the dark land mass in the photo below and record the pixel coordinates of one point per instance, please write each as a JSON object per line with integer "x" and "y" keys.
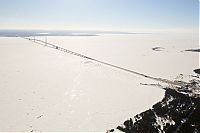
{"x": 197, "y": 71}
{"x": 193, "y": 50}
{"x": 157, "y": 48}
{"x": 178, "y": 112}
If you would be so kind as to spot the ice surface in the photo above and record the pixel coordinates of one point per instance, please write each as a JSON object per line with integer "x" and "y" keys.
{"x": 42, "y": 89}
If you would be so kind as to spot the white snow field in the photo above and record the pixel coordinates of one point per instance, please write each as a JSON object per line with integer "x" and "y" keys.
{"x": 43, "y": 89}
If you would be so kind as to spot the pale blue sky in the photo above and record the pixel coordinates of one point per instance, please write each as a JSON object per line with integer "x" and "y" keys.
{"x": 99, "y": 14}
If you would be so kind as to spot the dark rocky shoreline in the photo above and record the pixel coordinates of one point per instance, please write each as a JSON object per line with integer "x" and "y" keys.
{"x": 178, "y": 112}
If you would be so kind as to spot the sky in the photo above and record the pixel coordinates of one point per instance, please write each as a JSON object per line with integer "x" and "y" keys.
{"x": 117, "y": 15}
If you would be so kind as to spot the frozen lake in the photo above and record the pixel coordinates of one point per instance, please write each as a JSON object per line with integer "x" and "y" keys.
{"x": 42, "y": 89}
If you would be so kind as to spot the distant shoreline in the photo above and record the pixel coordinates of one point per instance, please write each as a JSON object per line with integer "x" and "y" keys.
{"x": 29, "y": 33}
